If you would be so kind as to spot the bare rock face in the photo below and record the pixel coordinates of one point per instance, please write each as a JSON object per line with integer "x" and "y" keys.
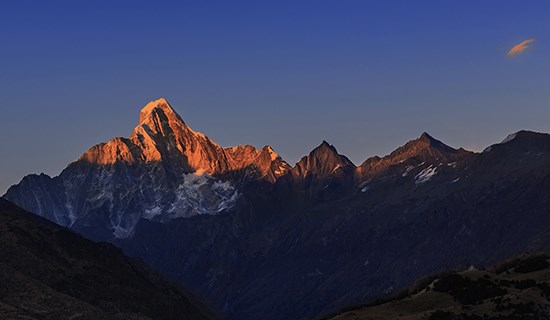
{"x": 165, "y": 170}
{"x": 162, "y": 136}
{"x": 118, "y": 150}
{"x": 265, "y": 163}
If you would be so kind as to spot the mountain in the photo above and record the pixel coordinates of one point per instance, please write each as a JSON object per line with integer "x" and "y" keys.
{"x": 165, "y": 170}
{"x": 514, "y": 290}
{"x": 48, "y": 272}
{"x": 321, "y": 175}
{"x": 234, "y": 224}
{"x": 425, "y": 151}
{"x": 321, "y": 163}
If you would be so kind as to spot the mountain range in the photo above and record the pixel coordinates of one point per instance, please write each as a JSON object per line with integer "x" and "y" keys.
{"x": 258, "y": 238}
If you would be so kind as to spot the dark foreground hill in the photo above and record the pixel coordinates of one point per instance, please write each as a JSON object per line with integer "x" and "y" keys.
{"x": 48, "y": 272}
{"x": 514, "y": 290}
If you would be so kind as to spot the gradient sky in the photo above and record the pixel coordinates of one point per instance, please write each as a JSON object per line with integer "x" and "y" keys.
{"x": 364, "y": 75}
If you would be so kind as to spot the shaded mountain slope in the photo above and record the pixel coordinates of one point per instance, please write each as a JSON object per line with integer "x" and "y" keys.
{"x": 518, "y": 289}
{"x": 47, "y": 272}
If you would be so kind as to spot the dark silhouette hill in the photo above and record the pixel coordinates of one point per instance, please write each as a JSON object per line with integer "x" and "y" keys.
{"x": 48, "y": 272}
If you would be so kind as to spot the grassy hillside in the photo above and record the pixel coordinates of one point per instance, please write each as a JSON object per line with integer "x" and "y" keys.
{"x": 514, "y": 290}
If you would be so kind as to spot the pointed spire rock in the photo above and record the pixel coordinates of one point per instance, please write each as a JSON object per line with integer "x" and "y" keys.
{"x": 158, "y": 107}
{"x": 325, "y": 148}
{"x": 425, "y": 143}
{"x": 322, "y": 161}
{"x": 426, "y": 137}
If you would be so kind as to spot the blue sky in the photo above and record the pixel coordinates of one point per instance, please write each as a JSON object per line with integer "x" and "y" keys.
{"x": 364, "y": 75}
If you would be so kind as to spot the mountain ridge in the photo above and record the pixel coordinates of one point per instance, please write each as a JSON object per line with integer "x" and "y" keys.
{"x": 269, "y": 225}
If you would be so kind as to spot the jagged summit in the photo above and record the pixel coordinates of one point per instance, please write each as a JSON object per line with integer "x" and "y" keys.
{"x": 327, "y": 152}
{"x": 425, "y": 149}
{"x": 324, "y": 160}
{"x": 159, "y": 118}
{"x": 427, "y": 140}
{"x": 325, "y": 148}
{"x": 325, "y": 144}
{"x": 425, "y": 146}
{"x": 159, "y": 105}
{"x": 426, "y": 137}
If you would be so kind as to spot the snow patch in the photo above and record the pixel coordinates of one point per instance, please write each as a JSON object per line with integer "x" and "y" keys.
{"x": 407, "y": 170}
{"x": 364, "y": 183}
{"x": 364, "y": 186}
{"x": 229, "y": 203}
{"x": 221, "y": 186}
{"x": 425, "y": 175}
{"x": 509, "y": 138}
{"x": 199, "y": 195}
